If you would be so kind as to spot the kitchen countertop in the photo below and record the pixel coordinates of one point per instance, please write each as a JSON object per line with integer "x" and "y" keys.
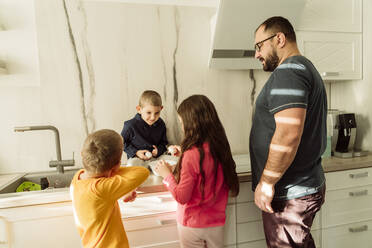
{"x": 332, "y": 164}
{"x": 144, "y": 206}
{"x": 153, "y": 186}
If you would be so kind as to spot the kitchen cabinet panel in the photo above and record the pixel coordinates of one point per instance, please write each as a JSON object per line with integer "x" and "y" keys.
{"x": 230, "y": 226}
{"x": 248, "y": 212}
{"x": 328, "y": 15}
{"x": 348, "y": 178}
{"x": 317, "y": 237}
{"x": 245, "y": 193}
{"x": 337, "y": 56}
{"x": 152, "y": 231}
{"x": 253, "y": 244}
{"x": 347, "y": 206}
{"x": 56, "y": 232}
{"x": 353, "y": 235}
{"x": 250, "y": 231}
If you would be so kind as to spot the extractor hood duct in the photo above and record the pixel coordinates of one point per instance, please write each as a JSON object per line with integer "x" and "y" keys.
{"x": 234, "y": 25}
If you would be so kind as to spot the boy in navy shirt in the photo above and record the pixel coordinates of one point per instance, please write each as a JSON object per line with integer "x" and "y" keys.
{"x": 145, "y": 135}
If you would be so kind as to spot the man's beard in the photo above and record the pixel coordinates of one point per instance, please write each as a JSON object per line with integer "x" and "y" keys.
{"x": 271, "y": 62}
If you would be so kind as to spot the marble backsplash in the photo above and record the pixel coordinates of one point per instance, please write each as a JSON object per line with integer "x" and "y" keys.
{"x": 97, "y": 57}
{"x": 94, "y": 59}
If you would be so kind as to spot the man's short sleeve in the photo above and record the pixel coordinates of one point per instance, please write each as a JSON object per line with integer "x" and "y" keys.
{"x": 289, "y": 88}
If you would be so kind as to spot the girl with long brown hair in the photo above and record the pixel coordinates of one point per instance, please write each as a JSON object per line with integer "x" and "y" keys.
{"x": 204, "y": 174}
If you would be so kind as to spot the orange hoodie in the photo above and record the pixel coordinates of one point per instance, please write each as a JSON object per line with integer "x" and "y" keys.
{"x": 96, "y": 210}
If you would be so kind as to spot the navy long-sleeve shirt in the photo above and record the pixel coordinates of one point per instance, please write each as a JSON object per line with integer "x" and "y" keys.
{"x": 138, "y": 135}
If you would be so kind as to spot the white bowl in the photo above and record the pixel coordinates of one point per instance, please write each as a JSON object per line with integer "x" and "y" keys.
{"x": 171, "y": 161}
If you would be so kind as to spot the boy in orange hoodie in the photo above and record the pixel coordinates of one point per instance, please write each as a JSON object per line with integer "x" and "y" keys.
{"x": 96, "y": 189}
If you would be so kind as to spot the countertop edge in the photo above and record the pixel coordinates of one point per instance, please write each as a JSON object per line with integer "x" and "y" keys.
{"x": 154, "y": 185}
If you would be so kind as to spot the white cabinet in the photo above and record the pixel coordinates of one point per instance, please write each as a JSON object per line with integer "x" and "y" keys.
{"x": 337, "y": 56}
{"x": 329, "y": 33}
{"x": 347, "y": 212}
{"x": 243, "y": 225}
{"x": 230, "y": 226}
{"x": 158, "y": 230}
{"x": 358, "y": 235}
{"x": 53, "y": 225}
{"x": 331, "y": 15}
{"x": 48, "y": 225}
{"x": 347, "y": 206}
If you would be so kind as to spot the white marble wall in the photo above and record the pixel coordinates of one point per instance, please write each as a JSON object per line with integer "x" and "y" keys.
{"x": 96, "y": 58}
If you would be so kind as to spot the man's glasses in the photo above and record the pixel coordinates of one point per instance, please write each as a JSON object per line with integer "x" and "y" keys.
{"x": 259, "y": 44}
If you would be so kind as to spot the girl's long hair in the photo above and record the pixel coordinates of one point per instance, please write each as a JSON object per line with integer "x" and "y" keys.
{"x": 201, "y": 124}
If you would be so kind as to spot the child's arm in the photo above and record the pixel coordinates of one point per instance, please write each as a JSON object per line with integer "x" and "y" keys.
{"x": 183, "y": 191}
{"x": 127, "y": 134}
{"x": 124, "y": 180}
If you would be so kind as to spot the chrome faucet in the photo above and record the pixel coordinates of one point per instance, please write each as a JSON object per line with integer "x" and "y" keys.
{"x": 59, "y": 163}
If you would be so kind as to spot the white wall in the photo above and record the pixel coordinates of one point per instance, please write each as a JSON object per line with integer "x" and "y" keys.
{"x": 96, "y": 58}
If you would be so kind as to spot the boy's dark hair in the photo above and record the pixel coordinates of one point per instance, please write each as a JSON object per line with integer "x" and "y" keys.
{"x": 278, "y": 24}
{"x": 102, "y": 150}
{"x": 150, "y": 97}
{"x": 202, "y": 124}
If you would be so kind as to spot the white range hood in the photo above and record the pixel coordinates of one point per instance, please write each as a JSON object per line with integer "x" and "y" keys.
{"x": 234, "y": 25}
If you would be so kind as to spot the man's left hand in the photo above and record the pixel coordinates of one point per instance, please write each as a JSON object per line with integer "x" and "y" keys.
{"x": 263, "y": 196}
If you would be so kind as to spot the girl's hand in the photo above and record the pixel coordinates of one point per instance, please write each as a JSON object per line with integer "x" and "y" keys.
{"x": 154, "y": 151}
{"x": 162, "y": 169}
{"x": 175, "y": 150}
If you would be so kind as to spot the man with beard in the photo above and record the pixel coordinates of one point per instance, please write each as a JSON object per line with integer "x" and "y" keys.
{"x": 288, "y": 137}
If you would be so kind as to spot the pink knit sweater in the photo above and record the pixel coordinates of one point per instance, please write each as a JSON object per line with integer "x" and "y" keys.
{"x": 192, "y": 210}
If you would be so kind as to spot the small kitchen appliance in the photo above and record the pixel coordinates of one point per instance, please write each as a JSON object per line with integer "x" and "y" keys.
{"x": 344, "y": 133}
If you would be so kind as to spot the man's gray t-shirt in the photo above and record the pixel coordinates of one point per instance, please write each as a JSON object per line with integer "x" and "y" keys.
{"x": 293, "y": 84}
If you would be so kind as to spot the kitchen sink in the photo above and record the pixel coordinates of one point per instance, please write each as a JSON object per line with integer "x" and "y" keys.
{"x": 48, "y": 180}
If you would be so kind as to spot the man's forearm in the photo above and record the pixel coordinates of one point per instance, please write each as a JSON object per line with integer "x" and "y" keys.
{"x": 282, "y": 152}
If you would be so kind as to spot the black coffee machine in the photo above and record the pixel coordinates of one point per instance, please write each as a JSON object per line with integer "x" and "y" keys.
{"x": 344, "y": 134}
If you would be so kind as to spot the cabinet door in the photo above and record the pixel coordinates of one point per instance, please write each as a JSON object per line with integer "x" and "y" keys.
{"x": 331, "y": 15}
{"x": 337, "y": 56}
{"x": 358, "y": 235}
{"x": 248, "y": 211}
{"x": 349, "y": 178}
{"x": 230, "y": 226}
{"x": 347, "y": 206}
{"x": 56, "y": 232}
{"x": 245, "y": 192}
{"x": 253, "y": 244}
{"x": 250, "y": 231}
{"x": 158, "y": 230}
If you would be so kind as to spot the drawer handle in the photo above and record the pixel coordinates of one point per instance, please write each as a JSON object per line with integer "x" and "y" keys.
{"x": 330, "y": 73}
{"x": 358, "y": 193}
{"x": 167, "y": 222}
{"x": 358, "y": 175}
{"x": 358, "y": 229}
